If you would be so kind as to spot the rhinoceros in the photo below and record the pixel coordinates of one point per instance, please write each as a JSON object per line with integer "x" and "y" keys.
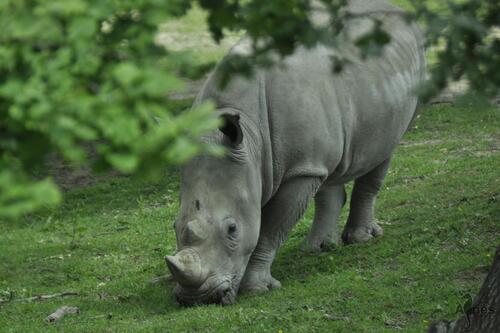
{"x": 293, "y": 132}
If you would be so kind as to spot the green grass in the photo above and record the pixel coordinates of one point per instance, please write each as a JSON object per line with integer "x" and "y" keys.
{"x": 441, "y": 217}
{"x": 439, "y": 208}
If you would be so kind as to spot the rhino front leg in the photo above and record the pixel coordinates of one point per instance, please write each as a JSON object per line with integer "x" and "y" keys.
{"x": 279, "y": 216}
{"x": 328, "y": 204}
{"x": 361, "y": 225}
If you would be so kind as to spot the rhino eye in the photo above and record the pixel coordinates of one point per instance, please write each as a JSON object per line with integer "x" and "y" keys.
{"x": 231, "y": 229}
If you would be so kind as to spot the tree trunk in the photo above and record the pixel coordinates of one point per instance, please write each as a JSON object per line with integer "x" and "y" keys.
{"x": 483, "y": 316}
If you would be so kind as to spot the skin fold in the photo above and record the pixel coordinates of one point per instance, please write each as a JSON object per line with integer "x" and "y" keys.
{"x": 293, "y": 132}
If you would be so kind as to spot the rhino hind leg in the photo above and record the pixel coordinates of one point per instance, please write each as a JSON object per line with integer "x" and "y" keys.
{"x": 361, "y": 225}
{"x": 279, "y": 216}
{"x": 324, "y": 232}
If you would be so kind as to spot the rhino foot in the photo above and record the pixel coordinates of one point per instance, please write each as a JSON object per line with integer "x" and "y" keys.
{"x": 258, "y": 282}
{"x": 319, "y": 244}
{"x": 361, "y": 234}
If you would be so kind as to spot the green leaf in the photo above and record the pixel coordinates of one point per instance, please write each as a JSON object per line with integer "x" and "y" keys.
{"x": 126, "y": 163}
{"x": 62, "y": 7}
{"x": 126, "y": 73}
{"x": 83, "y": 28}
{"x": 19, "y": 196}
{"x": 182, "y": 150}
{"x": 157, "y": 83}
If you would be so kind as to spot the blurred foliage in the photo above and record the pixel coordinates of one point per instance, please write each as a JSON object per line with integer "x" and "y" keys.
{"x": 467, "y": 37}
{"x": 74, "y": 72}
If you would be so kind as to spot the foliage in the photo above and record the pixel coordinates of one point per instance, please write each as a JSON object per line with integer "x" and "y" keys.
{"x": 469, "y": 40}
{"x": 80, "y": 72}
{"x": 440, "y": 212}
{"x": 73, "y": 72}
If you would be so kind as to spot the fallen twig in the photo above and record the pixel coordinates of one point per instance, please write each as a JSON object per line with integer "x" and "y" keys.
{"x": 61, "y": 312}
{"x": 41, "y": 297}
{"x": 46, "y": 297}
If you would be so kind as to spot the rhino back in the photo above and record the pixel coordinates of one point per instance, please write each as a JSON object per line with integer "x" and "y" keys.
{"x": 343, "y": 125}
{"x": 311, "y": 122}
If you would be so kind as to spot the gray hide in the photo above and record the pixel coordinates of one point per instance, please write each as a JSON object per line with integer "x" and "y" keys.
{"x": 293, "y": 132}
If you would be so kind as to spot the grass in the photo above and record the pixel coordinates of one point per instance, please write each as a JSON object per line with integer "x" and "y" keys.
{"x": 440, "y": 213}
{"x": 439, "y": 210}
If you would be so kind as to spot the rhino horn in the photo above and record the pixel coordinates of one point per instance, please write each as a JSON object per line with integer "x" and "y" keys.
{"x": 186, "y": 268}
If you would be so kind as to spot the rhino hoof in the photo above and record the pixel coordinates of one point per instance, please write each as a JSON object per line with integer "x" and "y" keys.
{"x": 361, "y": 234}
{"x": 259, "y": 284}
{"x": 319, "y": 245}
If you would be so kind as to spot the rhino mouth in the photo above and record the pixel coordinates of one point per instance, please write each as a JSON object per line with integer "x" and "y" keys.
{"x": 223, "y": 293}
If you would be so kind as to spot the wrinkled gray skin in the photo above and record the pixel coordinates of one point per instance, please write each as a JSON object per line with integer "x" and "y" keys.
{"x": 293, "y": 132}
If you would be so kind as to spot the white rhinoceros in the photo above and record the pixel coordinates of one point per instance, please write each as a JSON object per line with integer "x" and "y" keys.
{"x": 293, "y": 132}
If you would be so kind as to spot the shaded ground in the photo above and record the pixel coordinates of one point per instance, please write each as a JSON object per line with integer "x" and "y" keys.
{"x": 439, "y": 208}
{"x": 68, "y": 177}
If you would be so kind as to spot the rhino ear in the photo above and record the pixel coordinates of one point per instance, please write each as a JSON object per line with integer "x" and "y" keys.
{"x": 231, "y": 128}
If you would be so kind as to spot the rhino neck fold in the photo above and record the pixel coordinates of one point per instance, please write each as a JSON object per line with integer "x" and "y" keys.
{"x": 252, "y": 129}
{"x": 266, "y": 151}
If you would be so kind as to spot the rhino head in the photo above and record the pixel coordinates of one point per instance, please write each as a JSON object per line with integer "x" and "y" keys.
{"x": 218, "y": 225}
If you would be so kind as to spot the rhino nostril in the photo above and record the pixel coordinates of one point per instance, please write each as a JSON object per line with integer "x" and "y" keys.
{"x": 227, "y": 297}
{"x": 226, "y": 292}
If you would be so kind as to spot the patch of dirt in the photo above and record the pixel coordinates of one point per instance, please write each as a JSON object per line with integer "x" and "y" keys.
{"x": 68, "y": 177}
{"x": 450, "y": 94}
{"x": 477, "y": 153}
{"x": 465, "y": 277}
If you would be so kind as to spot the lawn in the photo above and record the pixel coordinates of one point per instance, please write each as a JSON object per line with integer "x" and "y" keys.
{"x": 439, "y": 209}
